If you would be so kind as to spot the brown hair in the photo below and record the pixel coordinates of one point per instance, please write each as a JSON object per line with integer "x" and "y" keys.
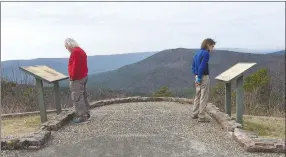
{"x": 207, "y": 42}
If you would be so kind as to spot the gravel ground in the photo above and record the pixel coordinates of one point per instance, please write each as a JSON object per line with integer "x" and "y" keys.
{"x": 145, "y": 129}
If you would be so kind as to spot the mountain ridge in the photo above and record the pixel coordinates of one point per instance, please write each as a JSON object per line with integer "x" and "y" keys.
{"x": 172, "y": 68}
{"x": 96, "y": 64}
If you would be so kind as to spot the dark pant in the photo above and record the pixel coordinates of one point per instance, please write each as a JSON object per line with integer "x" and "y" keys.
{"x": 79, "y": 97}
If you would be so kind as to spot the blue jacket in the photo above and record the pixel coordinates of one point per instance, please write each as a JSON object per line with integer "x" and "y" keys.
{"x": 200, "y": 63}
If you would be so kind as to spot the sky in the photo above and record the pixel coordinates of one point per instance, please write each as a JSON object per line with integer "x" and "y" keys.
{"x": 38, "y": 30}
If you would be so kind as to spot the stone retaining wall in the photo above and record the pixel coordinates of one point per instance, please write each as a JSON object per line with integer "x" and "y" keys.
{"x": 32, "y": 141}
{"x": 223, "y": 119}
{"x": 252, "y": 143}
{"x": 26, "y": 113}
{"x": 138, "y": 99}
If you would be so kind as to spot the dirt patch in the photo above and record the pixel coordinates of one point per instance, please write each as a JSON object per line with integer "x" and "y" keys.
{"x": 270, "y": 127}
{"x": 20, "y": 126}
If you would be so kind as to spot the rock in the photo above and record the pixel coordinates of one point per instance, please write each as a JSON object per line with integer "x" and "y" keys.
{"x": 58, "y": 122}
{"x": 4, "y": 145}
{"x": 144, "y": 99}
{"x": 252, "y": 143}
{"x": 96, "y": 104}
{"x": 169, "y": 99}
{"x": 9, "y": 143}
{"x": 242, "y": 138}
{"x": 230, "y": 134}
{"x": 22, "y": 144}
{"x": 224, "y": 120}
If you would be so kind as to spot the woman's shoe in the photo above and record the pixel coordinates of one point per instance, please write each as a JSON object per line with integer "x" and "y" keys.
{"x": 203, "y": 120}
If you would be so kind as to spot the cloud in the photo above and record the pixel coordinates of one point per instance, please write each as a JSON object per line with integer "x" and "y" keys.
{"x": 34, "y": 30}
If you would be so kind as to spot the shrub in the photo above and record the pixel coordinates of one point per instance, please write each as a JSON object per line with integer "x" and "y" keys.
{"x": 261, "y": 96}
{"x": 163, "y": 92}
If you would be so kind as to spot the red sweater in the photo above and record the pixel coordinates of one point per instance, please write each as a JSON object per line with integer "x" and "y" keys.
{"x": 77, "y": 64}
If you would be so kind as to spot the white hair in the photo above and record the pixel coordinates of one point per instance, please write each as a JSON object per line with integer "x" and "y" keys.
{"x": 71, "y": 43}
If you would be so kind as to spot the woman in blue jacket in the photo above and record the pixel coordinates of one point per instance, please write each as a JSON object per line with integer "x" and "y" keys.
{"x": 200, "y": 69}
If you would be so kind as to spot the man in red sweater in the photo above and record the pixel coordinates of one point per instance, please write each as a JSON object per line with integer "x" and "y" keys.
{"x": 78, "y": 71}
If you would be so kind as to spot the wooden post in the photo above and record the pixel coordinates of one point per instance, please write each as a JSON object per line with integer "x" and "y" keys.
{"x": 239, "y": 100}
{"x": 40, "y": 93}
{"x": 57, "y": 97}
{"x": 228, "y": 98}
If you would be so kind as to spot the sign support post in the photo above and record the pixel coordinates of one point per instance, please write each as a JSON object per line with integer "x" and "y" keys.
{"x": 239, "y": 100}
{"x": 57, "y": 97}
{"x": 235, "y": 73}
{"x": 228, "y": 98}
{"x": 40, "y": 95}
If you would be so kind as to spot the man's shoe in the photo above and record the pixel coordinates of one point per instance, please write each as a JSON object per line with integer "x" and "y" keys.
{"x": 203, "y": 120}
{"x": 195, "y": 117}
{"x": 78, "y": 120}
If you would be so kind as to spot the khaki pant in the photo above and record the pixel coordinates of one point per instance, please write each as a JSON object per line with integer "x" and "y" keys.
{"x": 201, "y": 97}
{"x": 79, "y": 97}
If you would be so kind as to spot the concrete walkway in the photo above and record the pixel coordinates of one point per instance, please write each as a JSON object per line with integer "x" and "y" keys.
{"x": 149, "y": 129}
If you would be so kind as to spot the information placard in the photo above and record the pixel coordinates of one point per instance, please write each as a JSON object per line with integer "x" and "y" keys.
{"x": 234, "y": 71}
{"x": 44, "y": 73}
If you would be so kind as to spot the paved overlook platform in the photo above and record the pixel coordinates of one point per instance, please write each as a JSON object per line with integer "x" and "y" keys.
{"x": 142, "y": 129}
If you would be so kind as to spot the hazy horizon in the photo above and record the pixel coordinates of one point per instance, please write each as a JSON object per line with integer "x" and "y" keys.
{"x": 256, "y": 51}
{"x": 32, "y": 30}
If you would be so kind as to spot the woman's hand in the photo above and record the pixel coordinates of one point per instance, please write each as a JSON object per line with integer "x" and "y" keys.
{"x": 197, "y": 82}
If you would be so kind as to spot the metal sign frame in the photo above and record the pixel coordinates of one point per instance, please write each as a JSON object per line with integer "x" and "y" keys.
{"x": 40, "y": 88}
